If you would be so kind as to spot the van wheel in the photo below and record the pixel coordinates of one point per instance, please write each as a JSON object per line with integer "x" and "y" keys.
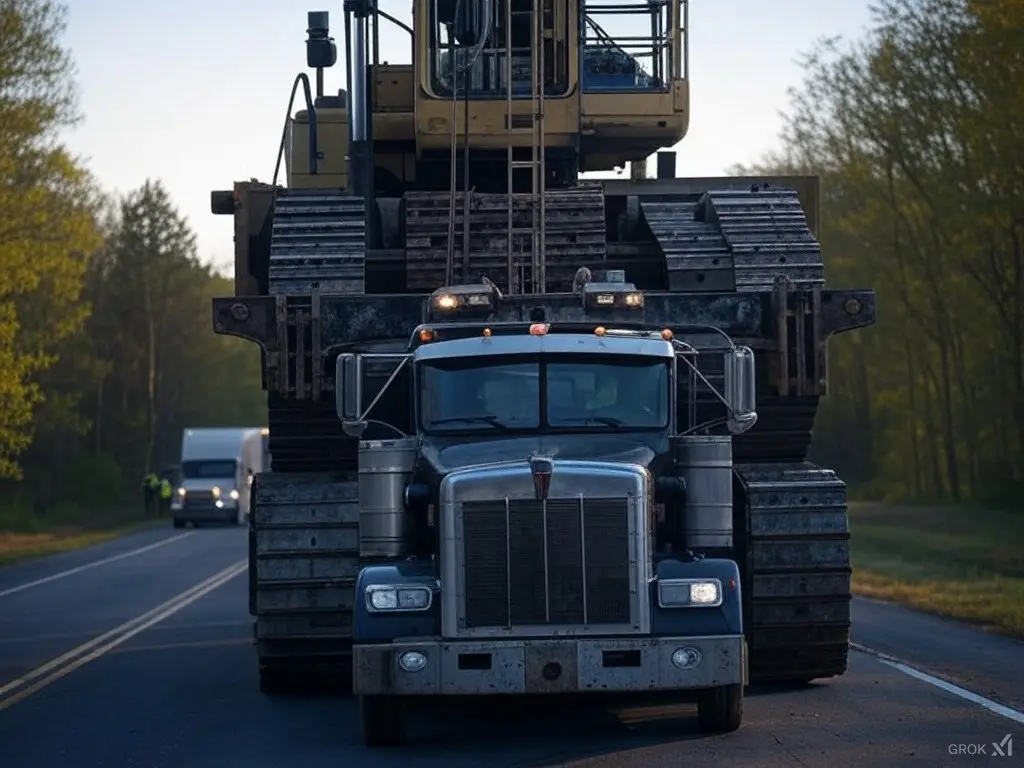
{"x": 720, "y": 710}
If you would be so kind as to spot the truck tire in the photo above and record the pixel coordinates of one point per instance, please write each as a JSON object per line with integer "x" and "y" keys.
{"x": 720, "y": 710}
{"x": 382, "y": 720}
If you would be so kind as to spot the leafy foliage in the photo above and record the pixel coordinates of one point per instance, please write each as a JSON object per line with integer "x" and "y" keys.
{"x": 917, "y": 133}
{"x": 106, "y": 349}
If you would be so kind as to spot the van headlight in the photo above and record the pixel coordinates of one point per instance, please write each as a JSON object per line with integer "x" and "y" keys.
{"x": 689, "y": 593}
{"x": 381, "y": 598}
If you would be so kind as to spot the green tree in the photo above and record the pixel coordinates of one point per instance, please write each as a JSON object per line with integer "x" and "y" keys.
{"x": 47, "y": 225}
{"x": 916, "y": 132}
{"x": 152, "y": 327}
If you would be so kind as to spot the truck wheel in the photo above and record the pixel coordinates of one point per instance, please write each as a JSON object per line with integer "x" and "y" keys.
{"x": 720, "y": 710}
{"x": 382, "y": 719}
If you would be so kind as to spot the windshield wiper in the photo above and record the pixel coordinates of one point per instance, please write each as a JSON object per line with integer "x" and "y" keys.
{"x": 609, "y": 421}
{"x": 492, "y": 420}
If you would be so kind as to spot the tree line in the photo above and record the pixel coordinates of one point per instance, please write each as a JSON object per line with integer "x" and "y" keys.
{"x": 106, "y": 345}
{"x": 915, "y": 128}
{"x": 917, "y": 132}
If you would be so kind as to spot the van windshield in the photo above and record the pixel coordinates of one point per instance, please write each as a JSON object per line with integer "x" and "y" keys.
{"x": 578, "y": 392}
{"x": 210, "y": 468}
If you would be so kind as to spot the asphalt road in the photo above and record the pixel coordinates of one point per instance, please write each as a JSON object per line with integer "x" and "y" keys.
{"x": 117, "y": 657}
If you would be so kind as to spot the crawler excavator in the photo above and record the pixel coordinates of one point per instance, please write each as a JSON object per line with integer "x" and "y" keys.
{"x": 433, "y": 292}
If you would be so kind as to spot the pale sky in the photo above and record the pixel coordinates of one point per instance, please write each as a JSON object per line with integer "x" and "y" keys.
{"x": 193, "y": 92}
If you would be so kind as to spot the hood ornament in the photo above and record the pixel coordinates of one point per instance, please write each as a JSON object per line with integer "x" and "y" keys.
{"x": 541, "y": 468}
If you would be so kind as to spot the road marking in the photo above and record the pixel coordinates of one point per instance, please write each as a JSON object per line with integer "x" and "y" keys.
{"x": 945, "y": 685}
{"x": 78, "y": 635}
{"x": 78, "y": 657}
{"x": 189, "y": 644}
{"x": 95, "y": 564}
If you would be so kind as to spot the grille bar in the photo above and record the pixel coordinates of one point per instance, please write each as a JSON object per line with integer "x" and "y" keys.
{"x": 557, "y": 562}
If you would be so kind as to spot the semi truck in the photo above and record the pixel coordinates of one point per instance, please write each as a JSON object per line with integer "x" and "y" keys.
{"x": 217, "y": 468}
{"x": 511, "y": 410}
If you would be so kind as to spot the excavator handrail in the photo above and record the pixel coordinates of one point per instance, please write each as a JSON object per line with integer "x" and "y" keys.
{"x": 377, "y": 11}
{"x": 314, "y": 154}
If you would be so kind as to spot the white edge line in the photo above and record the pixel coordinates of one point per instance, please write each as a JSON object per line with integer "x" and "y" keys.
{"x": 1008, "y": 712}
{"x": 94, "y": 564}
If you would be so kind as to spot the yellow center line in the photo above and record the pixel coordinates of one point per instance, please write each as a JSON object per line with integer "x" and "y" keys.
{"x": 80, "y": 656}
{"x": 188, "y": 644}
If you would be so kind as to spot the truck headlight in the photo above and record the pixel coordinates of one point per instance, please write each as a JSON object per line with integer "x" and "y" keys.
{"x": 215, "y": 492}
{"x": 233, "y": 494}
{"x": 689, "y": 593}
{"x": 384, "y": 598}
{"x": 182, "y": 491}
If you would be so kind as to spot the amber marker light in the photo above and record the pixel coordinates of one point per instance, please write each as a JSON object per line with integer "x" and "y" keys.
{"x": 426, "y": 335}
{"x": 600, "y": 331}
{"x": 666, "y": 334}
{"x": 487, "y": 333}
{"x": 539, "y": 329}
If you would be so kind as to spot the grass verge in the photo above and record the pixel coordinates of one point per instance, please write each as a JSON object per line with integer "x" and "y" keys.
{"x": 25, "y": 534}
{"x": 15, "y": 547}
{"x": 955, "y": 562}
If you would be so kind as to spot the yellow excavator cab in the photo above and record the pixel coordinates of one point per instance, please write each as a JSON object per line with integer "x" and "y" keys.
{"x": 615, "y": 91}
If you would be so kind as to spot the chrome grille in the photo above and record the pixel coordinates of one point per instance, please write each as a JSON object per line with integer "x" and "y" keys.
{"x": 554, "y": 562}
{"x": 195, "y": 499}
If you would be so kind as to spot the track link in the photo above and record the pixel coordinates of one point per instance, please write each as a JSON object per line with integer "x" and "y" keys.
{"x": 741, "y": 240}
{"x": 318, "y": 239}
{"x": 303, "y": 561}
{"x": 304, "y": 528}
{"x": 797, "y": 575}
{"x": 574, "y": 236}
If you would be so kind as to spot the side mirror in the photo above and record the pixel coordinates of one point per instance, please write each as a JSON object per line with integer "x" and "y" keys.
{"x": 348, "y": 393}
{"x": 740, "y": 390}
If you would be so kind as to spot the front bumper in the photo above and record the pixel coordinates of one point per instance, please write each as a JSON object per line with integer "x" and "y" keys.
{"x": 529, "y": 666}
{"x": 204, "y": 513}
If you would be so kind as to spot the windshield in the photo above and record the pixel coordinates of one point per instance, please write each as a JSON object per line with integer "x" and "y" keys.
{"x": 213, "y": 469}
{"x": 585, "y": 392}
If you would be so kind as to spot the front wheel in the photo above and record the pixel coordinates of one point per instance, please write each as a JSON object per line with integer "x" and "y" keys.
{"x": 382, "y": 720}
{"x": 720, "y": 710}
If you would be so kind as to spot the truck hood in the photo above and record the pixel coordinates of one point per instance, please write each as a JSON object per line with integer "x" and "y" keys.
{"x": 444, "y": 456}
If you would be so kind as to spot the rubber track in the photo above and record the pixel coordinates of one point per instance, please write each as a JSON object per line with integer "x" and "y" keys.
{"x": 797, "y": 576}
{"x": 318, "y": 240}
{"x": 574, "y": 236}
{"x": 304, "y": 530}
{"x": 742, "y": 239}
{"x": 303, "y": 561}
